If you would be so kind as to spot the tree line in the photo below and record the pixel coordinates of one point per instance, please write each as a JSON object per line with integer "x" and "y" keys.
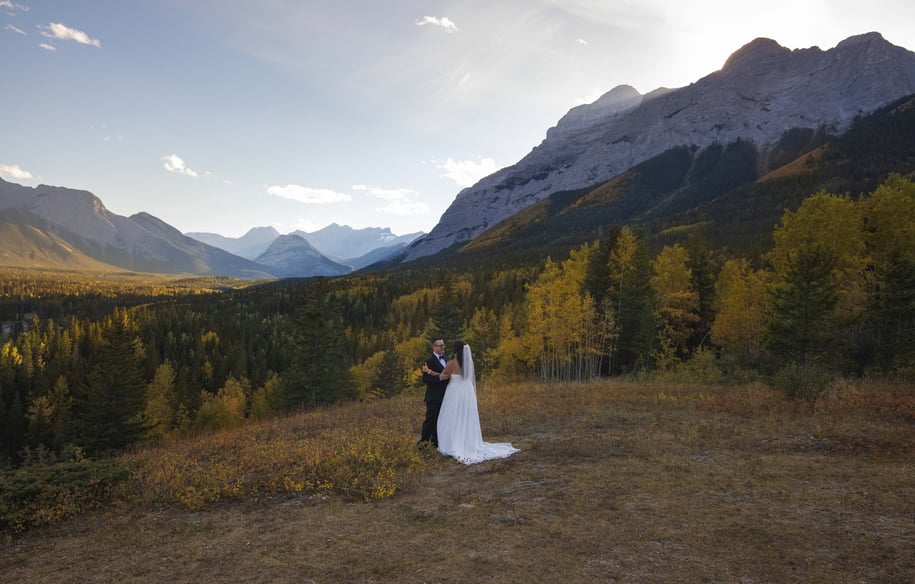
{"x": 835, "y": 295}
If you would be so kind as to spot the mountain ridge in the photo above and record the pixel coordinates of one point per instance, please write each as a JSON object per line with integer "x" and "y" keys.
{"x": 763, "y": 91}
{"x": 88, "y": 235}
{"x": 719, "y": 191}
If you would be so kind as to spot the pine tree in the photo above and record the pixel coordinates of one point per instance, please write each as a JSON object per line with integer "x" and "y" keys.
{"x": 390, "y": 379}
{"x": 319, "y": 372}
{"x": 113, "y": 398}
{"x": 446, "y": 315}
{"x": 631, "y": 298}
{"x": 800, "y": 324}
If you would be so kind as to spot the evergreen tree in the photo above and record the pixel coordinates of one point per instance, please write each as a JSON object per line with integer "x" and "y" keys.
{"x": 390, "y": 379}
{"x": 447, "y": 316}
{"x": 630, "y": 294}
{"x": 800, "y": 324}
{"x": 597, "y": 277}
{"x": 320, "y": 368}
{"x": 113, "y": 399}
{"x": 703, "y": 269}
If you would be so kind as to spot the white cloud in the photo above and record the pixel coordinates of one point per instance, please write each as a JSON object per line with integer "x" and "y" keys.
{"x": 14, "y": 29}
{"x": 398, "y": 200}
{"x": 13, "y": 171}
{"x": 443, "y": 22}
{"x": 47, "y": 47}
{"x": 467, "y": 172}
{"x": 308, "y": 195}
{"x": 387, "y": 194}
{"x": 173, "y": 163}
{"x": 13, "y": 6}
{"x": 56, "y": 30}
{"x": 582, "y": 42}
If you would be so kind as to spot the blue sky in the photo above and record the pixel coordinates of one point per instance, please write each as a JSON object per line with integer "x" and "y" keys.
{"x": 222, "y": 115}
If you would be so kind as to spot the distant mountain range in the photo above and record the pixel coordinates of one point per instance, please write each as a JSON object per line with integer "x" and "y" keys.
{"x": 772, "y": 100}
{"x": 250, "y": 245}
{"x": 58, "y": 227}
{"x": 354, "y": 248}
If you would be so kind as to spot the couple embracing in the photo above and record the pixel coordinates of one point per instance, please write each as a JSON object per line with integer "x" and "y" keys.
{"x": 452, "y": 421}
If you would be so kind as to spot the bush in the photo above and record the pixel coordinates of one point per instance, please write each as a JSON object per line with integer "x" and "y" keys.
{"x": 40, "y": 494}
{"x": 802, "y": 382}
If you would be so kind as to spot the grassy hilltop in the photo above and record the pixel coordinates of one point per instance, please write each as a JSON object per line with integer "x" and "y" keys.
{"x": 616, "y": 482}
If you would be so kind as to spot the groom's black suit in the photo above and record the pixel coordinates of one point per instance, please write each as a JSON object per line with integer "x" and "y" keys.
{"x": 435, "y": 393}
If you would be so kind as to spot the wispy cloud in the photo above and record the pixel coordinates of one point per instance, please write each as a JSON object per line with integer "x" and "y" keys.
{"x": 13, "y": 6}
{"x": 399, "y": 201}
{"x": 443, "y": 22}
{"x": 308, "y": 195}
{"x": 14, "y": 29}
{"x": 13, "y": 171}
{"x": 173, "y": 163}
{"x": 47, "y": 47}
{"x": 467, "y": 172}
{"x": 56, "y": 30}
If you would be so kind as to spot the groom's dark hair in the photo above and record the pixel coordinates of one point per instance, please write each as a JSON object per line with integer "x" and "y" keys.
{"x": 459, "y": 352}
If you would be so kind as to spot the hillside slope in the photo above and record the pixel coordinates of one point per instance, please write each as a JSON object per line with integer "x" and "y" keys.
{"x": 724, "y": 189}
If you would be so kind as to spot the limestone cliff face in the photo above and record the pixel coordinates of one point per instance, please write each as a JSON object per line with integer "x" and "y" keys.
{"x": 762, "y": 91}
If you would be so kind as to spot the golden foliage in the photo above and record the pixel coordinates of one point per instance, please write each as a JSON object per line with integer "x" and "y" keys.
{"x": 363, "y": 451}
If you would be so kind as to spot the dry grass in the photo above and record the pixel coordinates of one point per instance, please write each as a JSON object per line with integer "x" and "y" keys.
{"x": 615, "y": 483}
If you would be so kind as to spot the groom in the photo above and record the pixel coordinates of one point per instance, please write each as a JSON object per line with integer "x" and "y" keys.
{"x": 435, "y": 392}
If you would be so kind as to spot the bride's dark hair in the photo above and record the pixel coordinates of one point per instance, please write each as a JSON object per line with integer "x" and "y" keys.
{"x": 458, "y": 352}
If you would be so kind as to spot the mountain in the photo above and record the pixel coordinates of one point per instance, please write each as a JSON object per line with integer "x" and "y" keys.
{"x": 382, "y": 254}
{"x": 68, "y": 228}
{"x": 343, "y": 243}
{"x": 763, "y": 93}
{"x": 725, "y": 190}
{"x": 250, "y": 245}
{"x": 291, "y": 256}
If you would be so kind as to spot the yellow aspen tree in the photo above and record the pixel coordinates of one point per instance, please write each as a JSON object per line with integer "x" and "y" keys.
{"x": 742, "y": 301}
{"x": 889, "y": 218}
{"x": 832, "y": 224}
{"x": 161, "y": 402}
{"x": 677, "y": 304}
{"x": 560, "y": 319}
{"x": 509, "y": 358}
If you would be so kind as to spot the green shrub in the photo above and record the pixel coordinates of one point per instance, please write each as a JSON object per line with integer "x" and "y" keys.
{"x": 40, "y": 494}
{"x": 802, "y": 382}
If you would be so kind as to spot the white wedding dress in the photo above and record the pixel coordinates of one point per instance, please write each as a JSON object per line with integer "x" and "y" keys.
{"x": 459, "y": 433}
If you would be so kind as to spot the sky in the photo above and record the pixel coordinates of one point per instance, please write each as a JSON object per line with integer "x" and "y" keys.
{"x": 222, "y": 115}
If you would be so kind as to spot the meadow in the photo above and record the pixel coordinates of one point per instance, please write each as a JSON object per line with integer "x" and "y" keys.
{"x": 616, "y": 482}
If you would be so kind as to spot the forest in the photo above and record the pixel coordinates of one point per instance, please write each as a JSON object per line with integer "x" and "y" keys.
{"x": 92, "y": 365}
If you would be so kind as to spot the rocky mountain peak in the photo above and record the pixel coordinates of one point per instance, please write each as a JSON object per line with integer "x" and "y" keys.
{"x": 763, "y": 91}
{"x": 756, "y": 53}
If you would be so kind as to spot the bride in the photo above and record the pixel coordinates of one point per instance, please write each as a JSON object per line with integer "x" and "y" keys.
{"x": 459, "y": 433}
